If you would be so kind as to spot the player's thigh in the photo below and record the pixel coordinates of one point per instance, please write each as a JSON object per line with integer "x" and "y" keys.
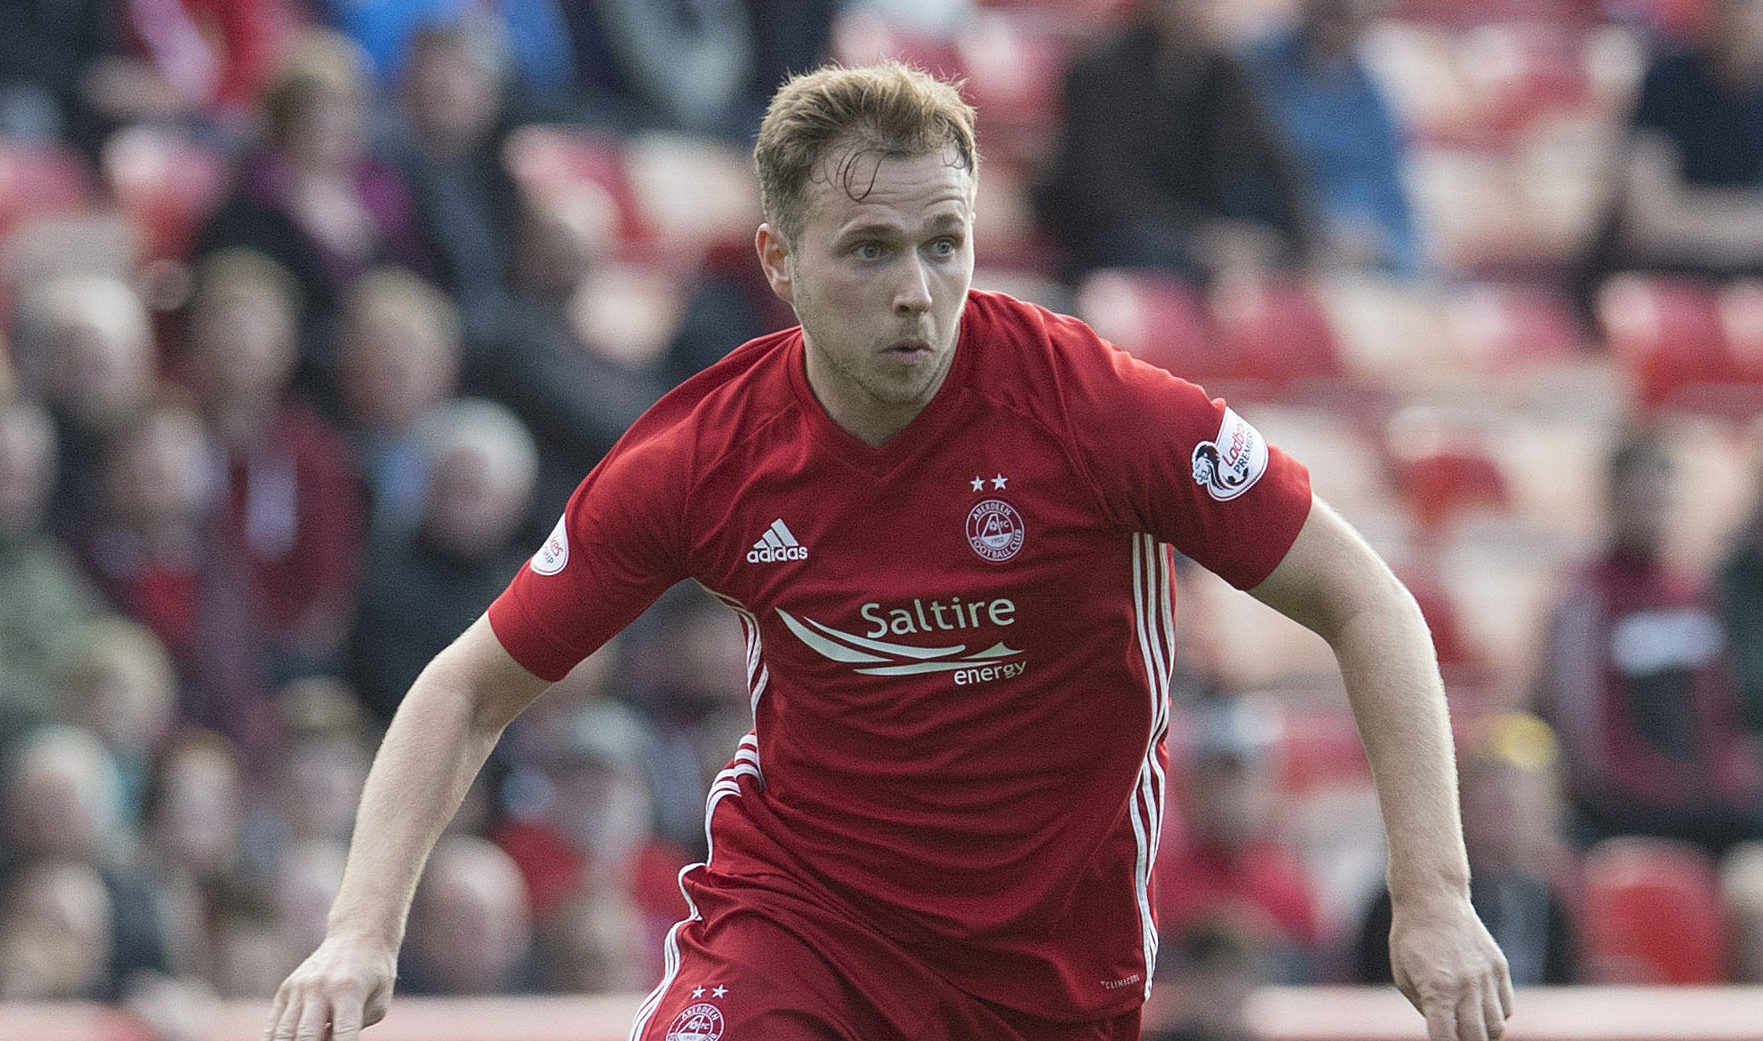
{"x": 745, "y": 977}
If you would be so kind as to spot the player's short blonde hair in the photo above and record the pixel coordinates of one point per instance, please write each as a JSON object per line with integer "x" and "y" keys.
{"x": 891, "y": 110}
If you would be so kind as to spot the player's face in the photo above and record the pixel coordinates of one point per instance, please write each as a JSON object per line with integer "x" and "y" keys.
{"x": 878, "y": 283}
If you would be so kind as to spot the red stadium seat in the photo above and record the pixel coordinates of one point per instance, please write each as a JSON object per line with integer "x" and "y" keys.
{"x": 1015, "y": 65}
{"x": 863, "y": 37}
{"x": 1521, "y": 72}
{"x": 166, "y": 184}
{"x": 1274, "y": 330}
{"x": 1008, "y": 235}
{"x": 1652, "y": 913}
{"x": 1502, "y": 328}
{"x": 1669, "y": 335}
{"x": 38, "y": 178}
{"x": 1444, "y": 465}
{"x": 562, "y": 163}
{"x": 1156, "y": 318}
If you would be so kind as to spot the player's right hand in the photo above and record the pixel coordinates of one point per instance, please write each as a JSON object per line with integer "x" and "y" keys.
{"x": 343, "y": 986}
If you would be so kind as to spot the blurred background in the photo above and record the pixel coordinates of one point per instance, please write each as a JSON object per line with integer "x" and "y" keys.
{"x": 313, "y": 313}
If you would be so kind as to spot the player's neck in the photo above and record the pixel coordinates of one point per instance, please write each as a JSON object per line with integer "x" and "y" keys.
{"x": 859, "y": 412}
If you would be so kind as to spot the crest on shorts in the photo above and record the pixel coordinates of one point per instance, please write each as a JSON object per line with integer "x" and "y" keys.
{"x": 700, "y": 1022}
{"x": 1230, "y": 464}
{"x": 995, "y": 530}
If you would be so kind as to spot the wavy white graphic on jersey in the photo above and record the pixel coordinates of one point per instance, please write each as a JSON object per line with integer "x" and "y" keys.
{"x": 880, "y": 658}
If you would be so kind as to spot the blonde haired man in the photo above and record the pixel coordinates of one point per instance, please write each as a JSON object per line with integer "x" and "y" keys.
{"x": 943, "y": 518}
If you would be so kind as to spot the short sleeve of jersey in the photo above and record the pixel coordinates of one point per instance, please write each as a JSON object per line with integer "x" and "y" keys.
{"x": 613, "y": 552}
{"x": 1170, "y": 461}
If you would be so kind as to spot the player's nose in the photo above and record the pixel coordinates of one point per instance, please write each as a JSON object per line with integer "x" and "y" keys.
{"x": 912, "y": 293}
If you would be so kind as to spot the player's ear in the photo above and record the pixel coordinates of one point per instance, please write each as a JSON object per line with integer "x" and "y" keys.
{"x": 774, "y": 259}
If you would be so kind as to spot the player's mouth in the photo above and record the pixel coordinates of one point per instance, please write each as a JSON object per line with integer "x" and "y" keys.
{"x": 908, "y": 351}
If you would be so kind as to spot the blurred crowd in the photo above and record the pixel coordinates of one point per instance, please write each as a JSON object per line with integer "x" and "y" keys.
{"x": 314, "y": 313}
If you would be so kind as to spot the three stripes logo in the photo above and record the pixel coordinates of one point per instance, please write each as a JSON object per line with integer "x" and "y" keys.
{"x": 776, "y": 545}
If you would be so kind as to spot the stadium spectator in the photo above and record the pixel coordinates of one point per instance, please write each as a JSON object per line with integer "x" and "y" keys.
{"x": 291, "y": 510}
{"x": 1518, "y": 878}
{"x": 400, "y": 358}
{"x": 305, "y": 879}
{"x": 194, "y": 843}
{"x": 680, "y": 66}
{"x": 87, "y": 352}
{"x": 528, "y": 36}
{"x": 61, "y": 805}
{"x": 593, "y": 944}
{"x": 471, "y": 929}
{"x": 66, "y": 73}
{"x": 546, "y": 365}
{"x": 1740, "y": 580}
{"x": 1169, "y": 159}
{"x": 419, "y": 591}
{"x": 56, "y": 934}
{"x": 122, "y": 686}
{"x": 1229, "y": 864}
{"x": 1689, "y": 193}
{"x": 1213, "y": 969}
{"x": 45, "y": 600}
{"x": 314, "y": 198}
{"x": 451, "y": 155}
{"x": 146, "y": 544}
{"x": 324, "y": 754}
{"x": 250, "y": 955}
{"x": 1342, "y": 134}
{"x": 1636, "y": 680}
{"x": 593, "y": 832}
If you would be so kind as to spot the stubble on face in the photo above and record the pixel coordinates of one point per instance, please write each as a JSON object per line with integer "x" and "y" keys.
{"x": 879, "y": 277}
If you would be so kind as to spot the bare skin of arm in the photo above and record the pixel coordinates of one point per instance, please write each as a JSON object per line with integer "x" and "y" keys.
{"x": 1443, "y": 958}
{"x": 437, "y": 743}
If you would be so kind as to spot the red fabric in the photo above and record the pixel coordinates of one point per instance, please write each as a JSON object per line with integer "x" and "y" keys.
{"x": 302, "y": 540}
{"x": 959, "y": 657}
{"x": 755, "y": 965}
{"x": 1262, "y": 888}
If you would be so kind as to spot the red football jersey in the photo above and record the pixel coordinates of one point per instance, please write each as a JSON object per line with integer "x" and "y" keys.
{"x": 958, "y": 643}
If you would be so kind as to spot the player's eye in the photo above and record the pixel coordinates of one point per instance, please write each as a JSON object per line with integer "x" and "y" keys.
{"x": 943, "y": 247}
{"x": 868, "y": 251}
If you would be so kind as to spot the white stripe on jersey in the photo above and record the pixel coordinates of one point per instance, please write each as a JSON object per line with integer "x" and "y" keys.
{"x": 1154, "y": 611}
{"x": 727, "y": 783}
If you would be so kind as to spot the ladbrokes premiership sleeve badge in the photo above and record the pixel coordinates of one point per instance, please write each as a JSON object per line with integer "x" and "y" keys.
{"x": 1230, "y": 464}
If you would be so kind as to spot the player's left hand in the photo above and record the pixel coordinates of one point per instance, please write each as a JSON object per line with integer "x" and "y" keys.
{"x": 1451, "y": 969}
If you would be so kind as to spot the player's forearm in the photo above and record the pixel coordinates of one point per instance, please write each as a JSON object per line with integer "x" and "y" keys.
{"x": 1392, "y": 679}
{"x": 435, "y": 746}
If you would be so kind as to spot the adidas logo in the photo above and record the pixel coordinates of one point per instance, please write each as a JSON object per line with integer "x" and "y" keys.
{"x": 776, "y": 545}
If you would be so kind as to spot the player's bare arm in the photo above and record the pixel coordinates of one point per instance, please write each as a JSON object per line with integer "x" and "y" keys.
{"x": 1444, "y": 960}
{"x": 444, "y": 730}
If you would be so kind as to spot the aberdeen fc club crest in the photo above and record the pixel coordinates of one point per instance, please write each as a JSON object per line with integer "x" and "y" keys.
{"x": 701, "y": 1022}
{"x": 995, "y": 530}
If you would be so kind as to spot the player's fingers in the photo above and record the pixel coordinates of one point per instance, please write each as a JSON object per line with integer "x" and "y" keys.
{"x": 1471, "y": 1018}
{"x": 377, "y": 1003}
{"x": 346, "y": 1021}
{"x": 276, "y": 1009}
{"x": 314, "y": 1014}
{"x": 1504, "y": 990}
{"x": 1441, "y": 1019}
{"x": 1492, "y": 1013}
{"x": 287, "y": 1015}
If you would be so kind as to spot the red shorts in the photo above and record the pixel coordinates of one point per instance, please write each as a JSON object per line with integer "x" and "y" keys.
{"x": 774, "y": 968}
